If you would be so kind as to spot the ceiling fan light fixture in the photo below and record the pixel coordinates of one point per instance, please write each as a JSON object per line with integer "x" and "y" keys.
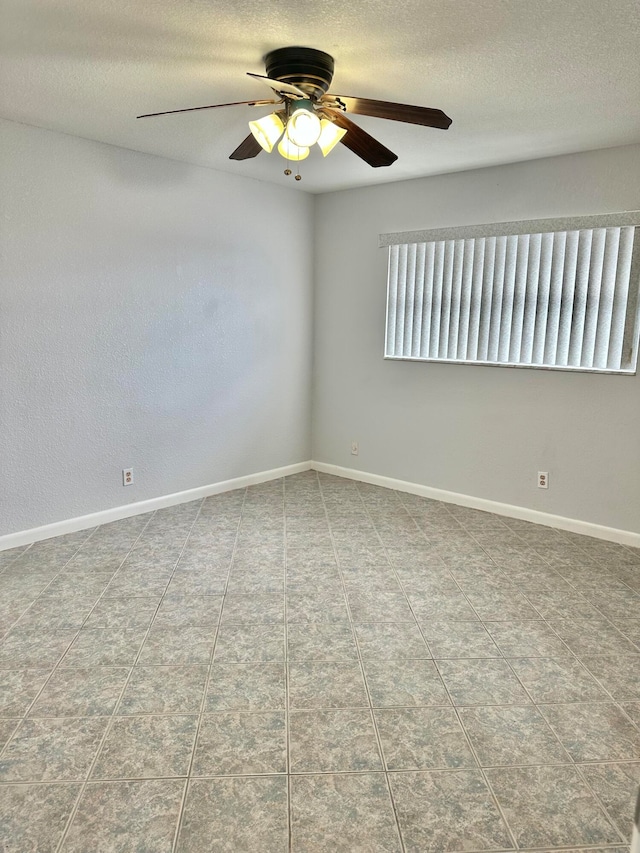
{"x": 267, "y": 131}
{"x": 330, "y": 135}
{"x": 300, "y": 78}
{"x": 303, "y": 127}
{"x": 290, "y": 151}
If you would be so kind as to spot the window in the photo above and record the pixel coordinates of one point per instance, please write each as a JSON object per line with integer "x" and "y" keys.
{"x": 557, "y": 294}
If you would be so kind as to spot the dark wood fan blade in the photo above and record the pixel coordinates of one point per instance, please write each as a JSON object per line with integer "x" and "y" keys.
{"x": 278, "y": 86}
{"x": 361, "y": 143}
{"x": 425, "y": 116}
{"x": 248, "y": 148}
{"x": 209, "y": 107}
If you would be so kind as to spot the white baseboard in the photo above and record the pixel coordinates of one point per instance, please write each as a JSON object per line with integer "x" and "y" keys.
{"x": 573, "y": 525}
{"x": 83, "y": 522}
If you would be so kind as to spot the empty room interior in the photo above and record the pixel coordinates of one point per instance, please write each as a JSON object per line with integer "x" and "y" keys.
{"x": 319, "y": 435}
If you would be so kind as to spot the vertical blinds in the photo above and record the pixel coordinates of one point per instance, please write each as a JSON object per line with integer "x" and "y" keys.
{"x": 550, "y": 299}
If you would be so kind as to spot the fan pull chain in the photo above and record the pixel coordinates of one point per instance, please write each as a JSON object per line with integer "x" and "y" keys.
{"x": 298, "y": 176}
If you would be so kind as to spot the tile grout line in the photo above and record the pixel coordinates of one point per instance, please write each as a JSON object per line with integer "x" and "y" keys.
{"x": 467, "y": 737}
{"x": 510, "y": 832}
{"x": 571, "y": 654}
{"x": 600, "y": 802}
{"x": 23, "y": 550}
{"x": 534, "y": 704}
{"x": 203, "y": 701}
{"x": 112, "y": 718}
{"x": 539, "y": 707}
{"x": 304, "y": 773}
{"x": 117, "y": 703}
{"x": 580, "y": 775}
{"x": 61, "y": 572}
{"x": 145, "y": 715}
{"x": 572, "y": 762}
{"x": 362, "y": 672}
{"x": 287, "y": 718}
{"x": 43, "y": 591}
{"x": 58, "y": 665}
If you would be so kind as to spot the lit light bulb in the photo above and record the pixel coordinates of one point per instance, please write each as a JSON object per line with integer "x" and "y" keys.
{"x": 303, "y": 128}
{"x": 330, "y": 135}
{"x": 290, "y": 151}
{"x": 267, "y": 131}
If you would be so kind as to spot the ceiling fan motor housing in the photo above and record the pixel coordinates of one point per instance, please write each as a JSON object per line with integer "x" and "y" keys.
{"x": 308, "y": 69}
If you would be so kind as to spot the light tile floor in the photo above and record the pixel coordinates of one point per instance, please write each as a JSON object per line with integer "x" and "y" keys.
{"x": 318, "y": 665}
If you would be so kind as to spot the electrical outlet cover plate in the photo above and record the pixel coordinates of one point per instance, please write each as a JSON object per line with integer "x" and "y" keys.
{"x": 543, "y": 479}
{"x": 354, "y": 448}
{"x": 127, "y": 476}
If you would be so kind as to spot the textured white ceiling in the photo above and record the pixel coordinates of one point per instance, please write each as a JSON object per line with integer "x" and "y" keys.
{"x": 521, "y": 79}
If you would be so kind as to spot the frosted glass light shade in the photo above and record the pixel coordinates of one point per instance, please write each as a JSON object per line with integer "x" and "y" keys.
{"x": 267, "y": 131}
{"x": 303, "y": 128}
{"x": 290, "y": 151}
{"x": 330, "y": 135}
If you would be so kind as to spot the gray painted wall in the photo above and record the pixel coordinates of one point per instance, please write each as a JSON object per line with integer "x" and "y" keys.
{"x": 480, "y": 431}
{"x": 146, "y": 320}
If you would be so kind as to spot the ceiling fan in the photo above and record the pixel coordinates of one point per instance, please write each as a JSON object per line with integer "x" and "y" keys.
{"x": 306, "y": 113}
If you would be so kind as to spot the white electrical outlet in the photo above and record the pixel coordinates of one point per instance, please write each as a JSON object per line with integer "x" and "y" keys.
{"x": 354, "y": 448}
{"x": 543, "y": 479}
{"x": 127, "y": 476}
